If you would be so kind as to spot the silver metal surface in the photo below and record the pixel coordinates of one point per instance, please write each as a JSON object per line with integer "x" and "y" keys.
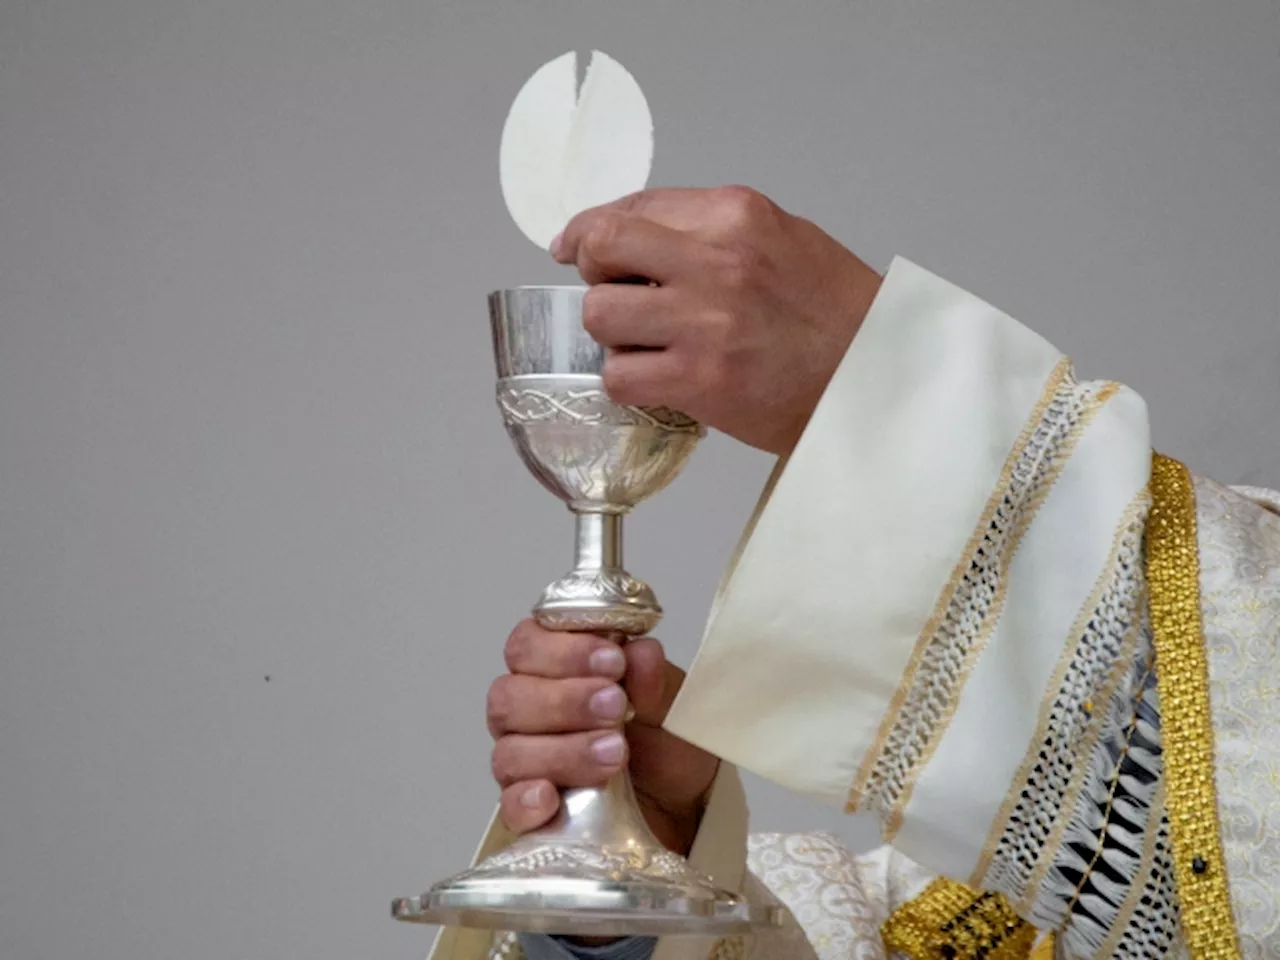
{"x": 597, "y": 869}
{"x": 599, "y": 458}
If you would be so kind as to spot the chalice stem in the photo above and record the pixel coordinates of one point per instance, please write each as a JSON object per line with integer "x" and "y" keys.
{"x": 598, "y": 544}
{"x": 606, "y": 817}
{"x": 598, "y": 595}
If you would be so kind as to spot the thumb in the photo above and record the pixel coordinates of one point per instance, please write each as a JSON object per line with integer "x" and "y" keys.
{"x": 651, "y": 683}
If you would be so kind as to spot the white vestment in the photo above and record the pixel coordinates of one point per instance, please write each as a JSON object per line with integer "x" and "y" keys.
{"x": 938, "y": 615}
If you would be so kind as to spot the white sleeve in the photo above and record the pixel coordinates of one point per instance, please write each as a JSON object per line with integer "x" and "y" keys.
{"x": 937, "y": 614}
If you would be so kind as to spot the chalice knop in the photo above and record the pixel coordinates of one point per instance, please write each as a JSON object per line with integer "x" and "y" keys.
{"x": 596, "y": 869}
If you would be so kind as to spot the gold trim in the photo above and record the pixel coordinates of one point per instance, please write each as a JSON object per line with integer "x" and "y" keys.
{"x": 1182, "y": 681}
{"x": 1086, "y": 743}
{"x": 1026, "y": 517}
{"x": 856, "y": 791}
{"x": 952, "y": 921}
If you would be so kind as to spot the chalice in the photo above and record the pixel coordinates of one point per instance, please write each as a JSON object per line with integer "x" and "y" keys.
{"x": 596, "y": 869}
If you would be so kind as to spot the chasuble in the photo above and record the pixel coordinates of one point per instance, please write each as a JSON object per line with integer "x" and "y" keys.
{"x": 973, "y": 604}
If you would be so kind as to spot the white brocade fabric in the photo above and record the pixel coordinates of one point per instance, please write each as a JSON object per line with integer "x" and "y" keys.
{"x": 839, "y": 901}
{"x": 1240, "y": 593}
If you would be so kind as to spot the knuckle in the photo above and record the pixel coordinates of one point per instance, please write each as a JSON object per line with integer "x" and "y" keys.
{"x": 631, "y": 202}
{"x": 744, "y": 207}
{"x": 601, "y": 235}
{"x": 619, "y": 381}
{"x": 719, "y": 328}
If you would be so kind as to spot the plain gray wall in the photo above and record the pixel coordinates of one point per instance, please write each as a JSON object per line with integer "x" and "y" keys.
{"x": 246, "y": 416}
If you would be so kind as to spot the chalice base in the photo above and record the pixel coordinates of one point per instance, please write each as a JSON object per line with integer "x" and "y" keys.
{"x": 595, "y": 871}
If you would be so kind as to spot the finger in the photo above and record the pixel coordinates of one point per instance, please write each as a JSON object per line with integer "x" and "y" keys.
{"x": 542, "y": 653}
{"x": 706, "y": 213}
{"x": 689, "y": 209}
{"x": 652, "y": 683}
{"x": 536, "y": 705}
{"x": 528, "y": 805}
{"x": 647, "y": 378}
{"x": 567, "y": 760}
{"x": 610, "y": 245}
{"x": 627, "y": 315}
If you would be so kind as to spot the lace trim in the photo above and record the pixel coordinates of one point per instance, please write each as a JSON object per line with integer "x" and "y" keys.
{"x": 1103, "y": 854}
{"x": 1152, "y": 927}
{"x": 1070, "y": 732}
{"x": 976, "y": 600}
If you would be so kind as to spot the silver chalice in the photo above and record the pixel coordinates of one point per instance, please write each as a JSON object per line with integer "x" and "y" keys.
{"x": 595, "y": 870}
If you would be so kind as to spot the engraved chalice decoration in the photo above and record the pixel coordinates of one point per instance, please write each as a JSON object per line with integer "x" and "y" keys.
{"x": 596, "y": 869}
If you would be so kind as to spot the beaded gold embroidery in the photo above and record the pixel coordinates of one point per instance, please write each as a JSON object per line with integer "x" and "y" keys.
{"x": 1182, "y": 675}
{"x": 951, "y": 921}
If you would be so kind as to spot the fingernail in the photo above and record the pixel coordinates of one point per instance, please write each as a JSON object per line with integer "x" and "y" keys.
{"x": 607, "y": 662}
{"x": 555, "y": 244}
{"x": 608, "y": 749}
{"x": 608, "y": 704}
{"x": 532, "y": 797}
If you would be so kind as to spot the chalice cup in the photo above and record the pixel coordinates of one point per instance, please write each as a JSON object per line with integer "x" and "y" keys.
{"x": 596, "y": 869}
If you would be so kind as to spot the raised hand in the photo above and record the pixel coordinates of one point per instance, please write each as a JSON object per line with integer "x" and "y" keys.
{"x": 747, "y": 314}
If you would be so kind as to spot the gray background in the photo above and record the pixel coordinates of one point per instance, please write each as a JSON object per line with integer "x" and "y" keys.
{"x": 246, "y": 426}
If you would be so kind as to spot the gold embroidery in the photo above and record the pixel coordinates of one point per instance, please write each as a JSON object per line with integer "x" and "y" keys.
{"x": 1026, "y": 516}
{"x": 1044, "y": 950}
{"x": 951, "y": 921}
{"x": 1182, "y": 680}
{"x": 1089, "y": 740}
{"x": 1052, "y": 385}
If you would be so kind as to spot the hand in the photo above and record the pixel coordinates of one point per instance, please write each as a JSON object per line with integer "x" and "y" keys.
{"x": 556, "y": 721}
{"x": 746, "y": 315}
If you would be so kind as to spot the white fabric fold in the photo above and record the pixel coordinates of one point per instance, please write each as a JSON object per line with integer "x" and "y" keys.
{"x": 845, "y": 656}
{"x": 858, "y": 539}
{"x": 1052, "y": 574}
